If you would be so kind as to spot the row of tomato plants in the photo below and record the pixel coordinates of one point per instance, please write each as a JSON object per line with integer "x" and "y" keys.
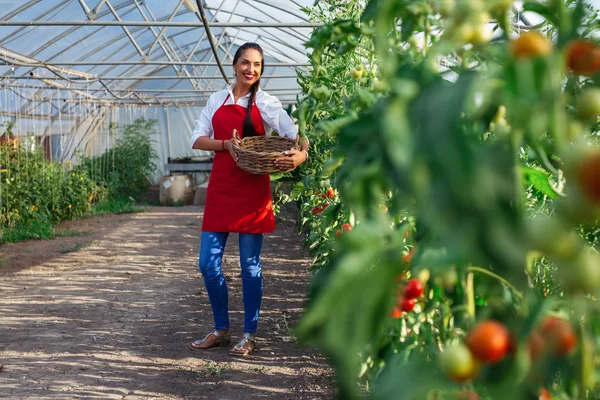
{"x": 451, "y": 207}
{"x": 36, "y": 193}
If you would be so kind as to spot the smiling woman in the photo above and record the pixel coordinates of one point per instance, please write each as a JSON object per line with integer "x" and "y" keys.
{"x": 236, "y": 200}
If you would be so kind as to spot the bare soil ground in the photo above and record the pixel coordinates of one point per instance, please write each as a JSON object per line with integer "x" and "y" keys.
{"x": 109, "y": 314}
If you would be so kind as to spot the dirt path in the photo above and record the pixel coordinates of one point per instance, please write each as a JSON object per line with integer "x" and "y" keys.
{"x": 109, "y": 315}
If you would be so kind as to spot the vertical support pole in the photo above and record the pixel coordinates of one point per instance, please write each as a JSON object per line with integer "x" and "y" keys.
{"x": 168, "y": 133}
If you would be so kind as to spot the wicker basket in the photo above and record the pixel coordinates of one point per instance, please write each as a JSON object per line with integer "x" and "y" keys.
{"x": 257, "y": 154}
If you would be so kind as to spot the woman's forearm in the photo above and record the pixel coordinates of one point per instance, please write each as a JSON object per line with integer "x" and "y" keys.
{"x": 209, "y": 144}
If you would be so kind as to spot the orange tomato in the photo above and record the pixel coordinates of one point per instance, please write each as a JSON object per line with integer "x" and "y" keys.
{"x": 529, "y": 45}
{"x": 396, "y": 313}
{"x": 407, "y": 258}
{"x": 544, "y": 394}
{"x": 583, "y": 57}
{"x": 489, "y": 341}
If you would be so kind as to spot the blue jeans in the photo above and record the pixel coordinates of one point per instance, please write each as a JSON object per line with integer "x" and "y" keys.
{"x": 212, "y": 246}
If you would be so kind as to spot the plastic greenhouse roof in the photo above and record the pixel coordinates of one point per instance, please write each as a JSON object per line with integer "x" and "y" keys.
{"x": 143, "y": 52}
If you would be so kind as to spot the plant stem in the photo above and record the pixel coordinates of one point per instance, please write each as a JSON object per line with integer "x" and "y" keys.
{"x": 498, "y": 277}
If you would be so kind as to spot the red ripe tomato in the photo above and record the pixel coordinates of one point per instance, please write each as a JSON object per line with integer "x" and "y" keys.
{"x": 330, "y": 193}
{"x": 530, "y": 44}
{"x": 406, "y": 305}
{"x": 316, "y": 210}
{"x": 414, "y": 288}
{"x": 489, "y": 341}
{"x": 588, "y": 176}
{"x": 467, "y": 395}
{"x": 583, "y": 57}
{"x": 559, "y": 335}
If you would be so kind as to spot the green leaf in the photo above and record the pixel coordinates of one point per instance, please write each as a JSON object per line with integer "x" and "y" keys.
{"x": 331, "y": 165}
{"x": 297, "y": 191}
{"x": 407, "y": 379}
{"x": 539, "y": 179}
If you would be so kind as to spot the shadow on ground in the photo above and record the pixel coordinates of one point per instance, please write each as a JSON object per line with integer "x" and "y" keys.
{"x": 113, "y": 319}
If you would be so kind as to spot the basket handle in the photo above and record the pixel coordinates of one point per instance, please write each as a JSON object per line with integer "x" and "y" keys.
{"x": 236, "y": 138}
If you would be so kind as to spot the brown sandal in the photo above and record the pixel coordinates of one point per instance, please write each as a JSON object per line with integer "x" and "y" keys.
{"x": 211, "y": 341}
{"x": 245, "y": 347}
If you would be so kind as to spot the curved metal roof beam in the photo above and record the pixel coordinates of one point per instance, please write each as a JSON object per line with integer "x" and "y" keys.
{"x": 172, "y": 36}
{"x": 200, "y": 40}
{"x": 67, "y": 33}
{"x": 164, "y": 29}
{"x": 19, "y": 10}
{"x": 268, "y": 32}
{"x": 287, "y": 11}
{"x": 23, "y": 28}
{"x": 166, "y": 46}
{"x": 296, "y": 35}
{"x": 210, "y": 37}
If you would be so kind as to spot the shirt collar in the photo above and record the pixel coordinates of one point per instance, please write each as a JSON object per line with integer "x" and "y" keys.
{"x": 230, "y": 90}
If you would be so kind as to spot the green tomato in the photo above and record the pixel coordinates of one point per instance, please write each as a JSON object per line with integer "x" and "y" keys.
{"x": 321, "y": 93}
{"x": 356, "y": 73}
{"x": 458, "y": 363}
{"x": 448, "y": 278}
{"x": 588, "y": 104}
{"x": 379, "y": 86}
{"x": 583, "y": 275}
{"x": 444, "y": 7}
{"x": 320, "y": 70}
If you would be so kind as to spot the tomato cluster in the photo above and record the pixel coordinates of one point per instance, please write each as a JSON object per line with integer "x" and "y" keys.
{"x": 488, "y": 342}
{"x": 408, "y": 297}
{"x": 345, "y": 227}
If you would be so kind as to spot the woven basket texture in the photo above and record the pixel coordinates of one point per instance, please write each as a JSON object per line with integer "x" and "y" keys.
{"x": 257, "y": 154}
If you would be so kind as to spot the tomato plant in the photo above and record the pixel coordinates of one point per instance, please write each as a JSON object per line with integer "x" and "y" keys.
{"x": 456, "y": 158}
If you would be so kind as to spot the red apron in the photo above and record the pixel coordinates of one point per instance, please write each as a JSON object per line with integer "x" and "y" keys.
{"x": 236, "y": 200}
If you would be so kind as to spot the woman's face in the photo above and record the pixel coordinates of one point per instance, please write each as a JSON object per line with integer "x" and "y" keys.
{"x": 247, "y": 68}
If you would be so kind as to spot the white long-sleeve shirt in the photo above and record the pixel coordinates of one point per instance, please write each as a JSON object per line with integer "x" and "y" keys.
{"x": 271, "y": 111}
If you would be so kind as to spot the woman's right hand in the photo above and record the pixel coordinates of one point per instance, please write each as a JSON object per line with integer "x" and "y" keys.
{"x": 228, "y": 144}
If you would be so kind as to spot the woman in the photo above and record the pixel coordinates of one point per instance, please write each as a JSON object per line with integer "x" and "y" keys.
{"x": 238, "y": 201}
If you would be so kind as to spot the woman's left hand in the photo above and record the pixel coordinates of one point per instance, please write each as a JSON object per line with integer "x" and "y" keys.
{"x": 292, "y": 159}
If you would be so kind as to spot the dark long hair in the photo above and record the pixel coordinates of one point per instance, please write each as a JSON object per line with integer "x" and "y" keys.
{"x": 249, "y": 129}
